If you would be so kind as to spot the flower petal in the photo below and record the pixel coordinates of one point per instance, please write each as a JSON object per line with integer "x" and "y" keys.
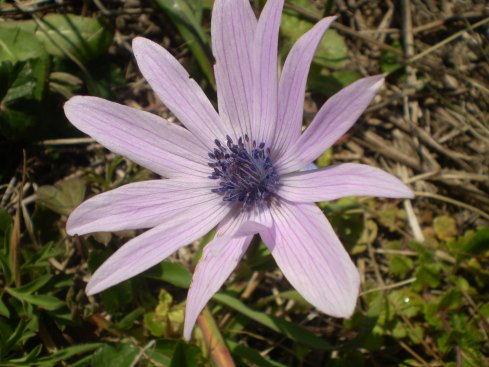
{"x": 181, "y": 94}
{"x": 233, "y": 28}
{"x": 144, "y": 138}
{"x": 139, "y": 205}
{"x": 241, "y": 222}
{"x": 312, "y": 258}
{"x": 265, "y": 72}
{"x": 335, "y": 182}
{"x": 219, "y": 259}
{"x": 334, "y": 119}
{"x": 153, "y": 246}
{"x": 292, "y": 86}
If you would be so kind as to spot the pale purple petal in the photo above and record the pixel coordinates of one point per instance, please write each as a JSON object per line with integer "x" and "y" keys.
{"x": 335, "y": 182}
{"x": 265, "y": 72}
{"x": 153, "y": 246}
{"x": 233, "y": 29}
{"x": 241, "y": 222}
{"x": 219, "y": 259}
{"x": 333, "y": 120}
{"x": 312, "y": 258}
{"x": 139, "y": 205}
{"x": 181, "y": 94}
{"x": 144, "y": 138}
{"x": 292, "y": 86}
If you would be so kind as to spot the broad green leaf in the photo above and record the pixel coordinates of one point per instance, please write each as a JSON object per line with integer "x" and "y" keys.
{"x": 249, "y": 356}
{"x": 63, "y": 197}
{"x": 332, "y": 51}
{"x": 290, "y": 330}
{"x": 330, "y": 83}
{"x": 30, "y": 80}
{"x": 121, "y": 355}
{"x": 170, "y": 272}
{"x": 17, "y": 44}
{"x": 22, "y": 87}
{"x": 68, "y": 35}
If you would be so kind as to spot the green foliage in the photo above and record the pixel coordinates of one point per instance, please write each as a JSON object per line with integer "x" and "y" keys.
{"x": 332, "y": 51}
{"x": 420, "y": 303}
{"x": 187, "y": 17}
{"x": 36, "y": 58}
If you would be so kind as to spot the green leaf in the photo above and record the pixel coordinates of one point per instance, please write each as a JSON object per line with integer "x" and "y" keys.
{"x": 4, "y": 311}
{"x": 67, "y": 34}
{"x": 121, "y": 355}
{"x": 445, "y": 227}
{"x": 330, "y": 84}
{"x": 5, "y": 220}
{"x": 17, "y": 44}
{"x": 66, "y": 353}
{"x": 185, "y": 17}
{"x": 44, "y": 301}
{"x": 162, "y": 351}
{"x": 63, "y": 197}
{"x": 186, "y": 355}
{"x": 13, "y": 338}
{"x": 127, "y": 322}
{"x": 170, "y": 272}
{"x": 249, "y": 356}
{"x": 34, "y": 285}
{"x": 400, "y": 265}
{"x": 479, "y": 243}
{"x": 332, "y": 51}
{"x": 290, "y": 330}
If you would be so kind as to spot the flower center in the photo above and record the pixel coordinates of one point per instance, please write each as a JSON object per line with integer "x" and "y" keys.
{"x": 245, "y": 171}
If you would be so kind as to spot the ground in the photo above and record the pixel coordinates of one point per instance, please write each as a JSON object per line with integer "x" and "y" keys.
{"x": 423, "y": 262}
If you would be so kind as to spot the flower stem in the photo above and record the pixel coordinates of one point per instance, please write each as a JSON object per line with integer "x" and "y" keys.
{"x": 214, "y": 340}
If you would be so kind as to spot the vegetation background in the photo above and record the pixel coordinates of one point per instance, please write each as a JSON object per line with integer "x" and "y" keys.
{"x": 424, "y": 263}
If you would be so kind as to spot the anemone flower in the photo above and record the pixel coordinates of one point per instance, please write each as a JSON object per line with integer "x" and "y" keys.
{"x": 240, "y": 169}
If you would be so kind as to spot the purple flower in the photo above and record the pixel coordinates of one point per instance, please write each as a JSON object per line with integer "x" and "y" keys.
{"x": 239, "y": 169}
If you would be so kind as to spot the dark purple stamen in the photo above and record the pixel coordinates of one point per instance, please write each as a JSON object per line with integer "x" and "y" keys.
{"x": 245, "y": 171}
